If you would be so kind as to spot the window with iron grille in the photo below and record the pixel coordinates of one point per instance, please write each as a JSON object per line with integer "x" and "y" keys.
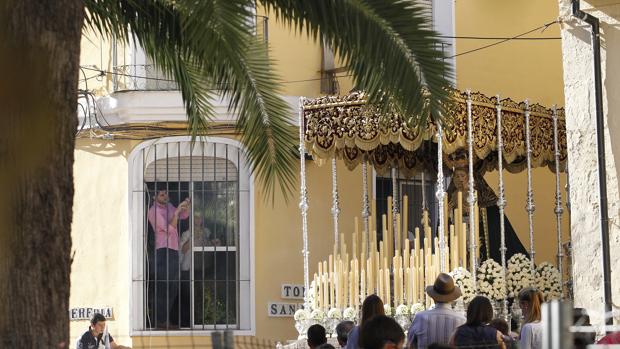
{"x": 420, "y": 194}
{"x": 192, "y": 270}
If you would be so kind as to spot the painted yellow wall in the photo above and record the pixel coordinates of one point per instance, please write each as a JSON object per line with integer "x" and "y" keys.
{"x": 100, "y": 274}
{"x": 515, "y": 69}
{"x": 295, "y": 58}
{"x": 519, "y": 70}
{"x": 279, "y": 239}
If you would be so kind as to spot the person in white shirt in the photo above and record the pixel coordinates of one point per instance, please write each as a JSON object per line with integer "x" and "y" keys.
{"x": 530, "y": 300}
{"x": 201, "y": 234}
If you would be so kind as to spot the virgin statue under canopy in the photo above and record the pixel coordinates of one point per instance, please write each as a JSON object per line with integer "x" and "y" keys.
{"x": 489, "y": 216}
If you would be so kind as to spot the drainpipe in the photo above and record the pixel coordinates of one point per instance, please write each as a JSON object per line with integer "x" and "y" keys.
{"x": 600, "y": 145}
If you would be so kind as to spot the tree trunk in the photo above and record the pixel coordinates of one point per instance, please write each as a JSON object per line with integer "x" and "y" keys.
{"x": 39, "y": 56}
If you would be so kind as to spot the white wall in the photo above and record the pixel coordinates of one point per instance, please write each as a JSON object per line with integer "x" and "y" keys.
{"x": 581, "y": 140}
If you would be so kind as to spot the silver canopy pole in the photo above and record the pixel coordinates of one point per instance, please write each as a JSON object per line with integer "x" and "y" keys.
{"x": 303, "y": 202}
{"x": 335, "y": 203}
{"x": 395, "y": 200}
{"x": 471, "y": 200}
{"x": 501, "y": 202}
{"x": 558, "y": 199}
{"x": 365, "y": 205}
{"x": 440, "y": 195}
{"x": 530, "y": 193}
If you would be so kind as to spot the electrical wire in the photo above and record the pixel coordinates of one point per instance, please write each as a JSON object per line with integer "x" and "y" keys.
{"x": 543, "y": 27}
{"x": 498, "y": 38}
{"x": 104, "y": 72}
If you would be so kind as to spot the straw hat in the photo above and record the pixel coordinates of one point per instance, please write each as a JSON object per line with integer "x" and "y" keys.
{"x": 443, "y": 290}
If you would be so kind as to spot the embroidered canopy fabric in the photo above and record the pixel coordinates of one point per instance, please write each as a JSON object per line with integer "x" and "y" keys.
{"x": 349, "y": 128}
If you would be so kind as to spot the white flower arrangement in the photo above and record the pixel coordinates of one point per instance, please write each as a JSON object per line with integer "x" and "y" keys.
{"x": 518, "y": 274}
{"x": 302, "y": 315}
{"x": 491, "y": 280}
{"x": 416, "y": 308}
{"x": 317, "y": 315}
{"x": 350, "y": 314}
{"x": 549, "y": 281}
{"x": 334, "y": 313}
{"x": 463, "y": 279}
{"x": 403, "y": 310}
{"x": 387, "y": 309}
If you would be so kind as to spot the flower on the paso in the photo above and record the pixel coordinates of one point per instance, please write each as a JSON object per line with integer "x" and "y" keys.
{"x": 349, "y": 314}
{"x": 463, "y": 279}
{"x": 317, "y": 314}
{"x": 549, "y": 281}
{"x": 387, "y": 309}
{"x": 518, "y": 274}
{"x": 491, "y": 281}
{"x": 301, "y": 314}
{"x": 334, "y": 313}
{"x": 416, "y": 308}
{"x": 402, "y": 310}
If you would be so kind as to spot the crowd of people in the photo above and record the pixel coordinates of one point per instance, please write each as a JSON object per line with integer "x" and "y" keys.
{"x": 443, "y": 327}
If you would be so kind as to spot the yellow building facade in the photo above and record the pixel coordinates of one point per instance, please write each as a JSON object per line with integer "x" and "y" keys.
{"x": 104, "y": 224}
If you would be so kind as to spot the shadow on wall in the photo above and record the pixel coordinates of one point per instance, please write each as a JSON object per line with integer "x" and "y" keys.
{"x": 104, "y": 148}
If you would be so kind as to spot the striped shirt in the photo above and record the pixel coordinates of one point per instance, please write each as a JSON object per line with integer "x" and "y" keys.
{"x": 434, "y": 326}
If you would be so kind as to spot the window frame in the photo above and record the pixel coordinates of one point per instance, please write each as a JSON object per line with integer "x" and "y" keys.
{"x": 403, "y": 180}
{"x": 245, "y": 249}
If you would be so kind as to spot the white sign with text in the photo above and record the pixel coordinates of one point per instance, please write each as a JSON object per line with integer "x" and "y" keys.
{"x": 290, "y": 291}
{"x": 275, "y": 309}
{"x": 86, "y": 313}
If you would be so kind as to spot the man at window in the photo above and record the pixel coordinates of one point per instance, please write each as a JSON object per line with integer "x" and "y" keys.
{"x": 163, "y": 217}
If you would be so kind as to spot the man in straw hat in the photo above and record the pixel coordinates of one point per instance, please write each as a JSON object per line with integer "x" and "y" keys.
{"x": 436, "y": 325}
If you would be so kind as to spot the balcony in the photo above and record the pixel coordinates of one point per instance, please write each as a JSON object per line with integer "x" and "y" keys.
{"x": 133, "y": 71}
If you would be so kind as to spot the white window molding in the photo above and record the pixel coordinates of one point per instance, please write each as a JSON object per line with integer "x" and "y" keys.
{"x": 139, "y": 158}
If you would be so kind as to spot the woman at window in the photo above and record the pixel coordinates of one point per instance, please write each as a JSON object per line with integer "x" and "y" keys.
{"x": 373, "y": 305}
{"x": 476, "y": 333}
{"x": 530, "y": 301}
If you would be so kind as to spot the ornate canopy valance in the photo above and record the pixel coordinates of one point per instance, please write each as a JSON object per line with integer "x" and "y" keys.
{"x": 349, "y": 128}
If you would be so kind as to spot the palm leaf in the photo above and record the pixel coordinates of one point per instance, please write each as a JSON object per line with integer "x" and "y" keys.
{"x": 387, "y": 45}
{"x": 210, "y": 45}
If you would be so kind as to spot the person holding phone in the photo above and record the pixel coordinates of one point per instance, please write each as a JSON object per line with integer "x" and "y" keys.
{"x": 163, "y": 218}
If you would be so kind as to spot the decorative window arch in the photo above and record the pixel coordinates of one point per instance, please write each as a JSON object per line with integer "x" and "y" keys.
{"x": 212, "y": 287}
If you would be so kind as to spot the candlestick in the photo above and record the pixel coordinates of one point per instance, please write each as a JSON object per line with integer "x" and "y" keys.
{"x": 463, "y": 243}
{"x": 363, "y": 288}
{"x": 388, "y": 289}
{"x": 405, "y": 217}
{"x": 390, "y": 225}
{"x": 477, "y": 230}
{"x": 453, "y": 250}
{"x": 406, "y": 254}
{"x": 369, "y": 267}
{"x": 326, "y": 290}
{"x": 397, "y": 233}
{"x": 380, "y": 292}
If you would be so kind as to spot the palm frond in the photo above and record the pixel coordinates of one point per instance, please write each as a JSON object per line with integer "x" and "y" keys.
{"x": 388, "y": 45}
{"x": 209, "y": 47}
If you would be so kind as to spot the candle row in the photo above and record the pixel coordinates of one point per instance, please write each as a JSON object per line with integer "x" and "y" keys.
{"x": 395, "y": 268}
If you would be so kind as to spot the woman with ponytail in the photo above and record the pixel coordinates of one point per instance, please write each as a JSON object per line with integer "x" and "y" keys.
{"x": 530, "y": 301}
